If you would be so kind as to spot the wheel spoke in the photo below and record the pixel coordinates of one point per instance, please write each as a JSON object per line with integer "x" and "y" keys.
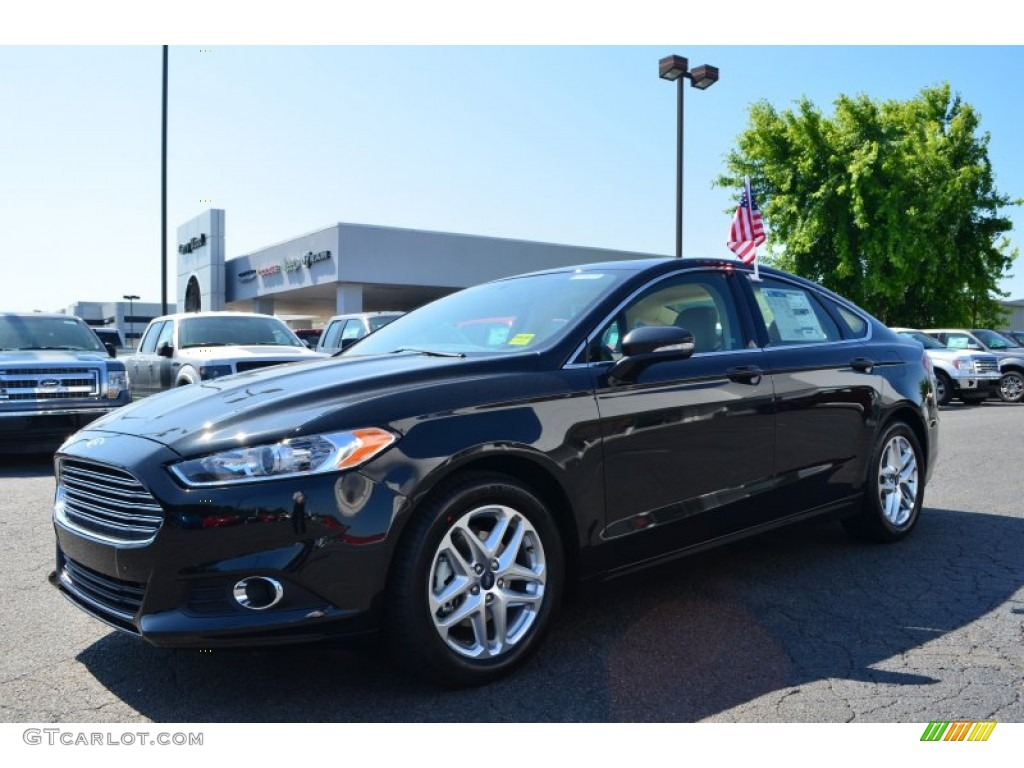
{"x": 472, "y": 605}
{"x": 456, "y": 587}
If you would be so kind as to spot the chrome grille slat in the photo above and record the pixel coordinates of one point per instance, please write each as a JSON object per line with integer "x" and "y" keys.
{"x": 25, "y": 383}
{"x": 105, "y": 503}
{"x": 114, "y": 598}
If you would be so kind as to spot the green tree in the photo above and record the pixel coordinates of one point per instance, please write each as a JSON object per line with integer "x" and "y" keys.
{"x": 892, "y": 204}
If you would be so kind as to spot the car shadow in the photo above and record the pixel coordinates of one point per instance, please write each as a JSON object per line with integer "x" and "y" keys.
{"x": 680, "y": 643}
{"x": 26, "y": 465}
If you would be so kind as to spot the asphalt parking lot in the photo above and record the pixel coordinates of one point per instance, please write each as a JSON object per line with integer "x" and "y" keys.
{"x": 798, "y": 625}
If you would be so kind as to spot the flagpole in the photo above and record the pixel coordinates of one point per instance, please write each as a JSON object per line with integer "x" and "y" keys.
{"x": 756, "y": 277}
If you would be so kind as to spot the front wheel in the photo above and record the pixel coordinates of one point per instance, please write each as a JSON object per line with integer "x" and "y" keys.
{"x": 895, "y": 487}
{"x": 475, "y": 582}
{"x": 943, "y": 388}
{"x": 1011, "y": 387}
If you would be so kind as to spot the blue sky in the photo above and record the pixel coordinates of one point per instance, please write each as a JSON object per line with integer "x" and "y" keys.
{"x": 568, "y": 143}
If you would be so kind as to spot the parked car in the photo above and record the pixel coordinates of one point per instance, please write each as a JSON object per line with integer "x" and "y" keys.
{"x": 310, "y": 336}
{"x": 445, "y": 488}
{"x": 186, "y": 348}
{"x": 1016, "y": 336}
{"x": 1011, "y": 356}
{"x": 341, "y": 331}
{"x": 55, "y": 377}
{"x": 972, "y": 377}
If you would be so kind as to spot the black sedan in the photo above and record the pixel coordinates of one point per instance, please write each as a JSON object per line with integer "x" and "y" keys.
{"x": 443, "y": 483}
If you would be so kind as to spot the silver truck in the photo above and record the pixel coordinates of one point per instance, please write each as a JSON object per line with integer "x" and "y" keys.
{"x": 1009, "y": 353}
{"x": 55, "y": 377}
{"x": 967, "y": 375}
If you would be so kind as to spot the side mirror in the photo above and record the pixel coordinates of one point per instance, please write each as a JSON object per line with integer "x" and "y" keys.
{"x": 111, "y": 349}
{"x": 650, "y": 344}
{"x": 165, "y": 349}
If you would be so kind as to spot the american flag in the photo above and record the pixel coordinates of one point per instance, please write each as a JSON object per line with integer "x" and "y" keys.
{"x": 747, "y": 231}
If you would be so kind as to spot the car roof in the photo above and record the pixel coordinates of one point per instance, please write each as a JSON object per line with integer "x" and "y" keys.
{"x": 226, "y": 313}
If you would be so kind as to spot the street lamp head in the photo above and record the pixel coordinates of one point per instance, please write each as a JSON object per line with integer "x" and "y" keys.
{"x": 129, "y": 297}
{"x": 704, "y": 76}
{"x": 672, "y": 67}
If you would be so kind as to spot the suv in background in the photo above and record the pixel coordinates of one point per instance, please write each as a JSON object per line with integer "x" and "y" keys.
{"x": 55, "y": 377}
{"x": 342, "y": 331}
{"x": 1011, "y": 356}
{"x": 190, "y": 347}
{"x": 970, "y": 376}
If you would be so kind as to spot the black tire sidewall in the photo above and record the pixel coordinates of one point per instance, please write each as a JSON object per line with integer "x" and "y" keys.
{"x": 942, "y": 378}
{"x": 411, "y": 628}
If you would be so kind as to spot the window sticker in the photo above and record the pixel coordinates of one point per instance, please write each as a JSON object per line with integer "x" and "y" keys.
{"x": 521, "y": 339}
{"x": 496, "y": 336}
{"x": 794, "y": 317}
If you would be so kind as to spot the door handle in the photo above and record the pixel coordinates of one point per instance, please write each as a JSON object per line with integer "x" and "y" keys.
{"x": 862, "y": 364}
{"x": 745, "y": 374}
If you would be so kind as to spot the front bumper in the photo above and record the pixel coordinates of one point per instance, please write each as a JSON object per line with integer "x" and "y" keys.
{"x": 327, "y": 539}
{"x": 987, "y": 384}
{"x": 43, "y": 430}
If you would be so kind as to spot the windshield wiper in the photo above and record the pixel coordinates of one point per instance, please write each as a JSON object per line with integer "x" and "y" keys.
{"x": 428, "y": 352}
{"x": 64, "y": 349}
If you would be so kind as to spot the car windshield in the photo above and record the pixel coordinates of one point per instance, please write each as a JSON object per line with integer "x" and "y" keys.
{"x": 924, "y": 338}
{"x": 42, "y": 332}
{"x": 504, "y": 316}
{"x": 994, "y": 340}
{"x": 235, "y": 331}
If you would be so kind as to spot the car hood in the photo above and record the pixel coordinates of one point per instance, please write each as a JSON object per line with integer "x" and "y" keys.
{"x": 254, "y": 352}
{"x": 51, "y": 356}
{"x": 949, "y": 355}
{"x": 269, "y": 404}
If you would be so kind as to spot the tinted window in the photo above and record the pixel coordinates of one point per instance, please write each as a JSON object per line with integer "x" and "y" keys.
{"x": 41, "y": 332}
{"x": 793, "y": 315}
{"x": 148, "y": 345}
{"x": 700, "y": 303}
{"x": 229, "y": 330}
{"x": 534, "y": 309}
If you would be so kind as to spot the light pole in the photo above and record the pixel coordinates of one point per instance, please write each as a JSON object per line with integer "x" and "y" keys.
{"x": 163, "y": 196}
{"x": 130, "y": 298}
{"x": 702, "y": 77}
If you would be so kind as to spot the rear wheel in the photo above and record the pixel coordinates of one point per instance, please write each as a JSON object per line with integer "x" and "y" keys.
{"x": 943, "y": 388}
{"x": 475, "y": 583}
{"x": 895, "y": 487}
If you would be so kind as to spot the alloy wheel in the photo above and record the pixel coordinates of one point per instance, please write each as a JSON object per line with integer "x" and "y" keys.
{"x": 898, "y": 481}
{"x": 487, "y": 582}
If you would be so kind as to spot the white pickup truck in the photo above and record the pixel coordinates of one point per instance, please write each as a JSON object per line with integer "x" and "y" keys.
{"x": 186, "y": 348}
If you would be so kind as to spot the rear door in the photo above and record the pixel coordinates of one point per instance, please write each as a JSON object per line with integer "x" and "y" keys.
{"x": 828, "y": 385}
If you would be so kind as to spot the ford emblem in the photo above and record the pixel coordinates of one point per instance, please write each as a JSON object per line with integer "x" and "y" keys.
{"x": 49, "y": 383}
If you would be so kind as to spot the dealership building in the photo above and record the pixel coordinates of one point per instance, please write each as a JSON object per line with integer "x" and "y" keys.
{"x": 345, "y": 268}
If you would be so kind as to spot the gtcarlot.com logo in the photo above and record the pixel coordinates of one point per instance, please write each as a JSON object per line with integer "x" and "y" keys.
{"x": 959, "y": 730}
{"x": 67, "y": 738}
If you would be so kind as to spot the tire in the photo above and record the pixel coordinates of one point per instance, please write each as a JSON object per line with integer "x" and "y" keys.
{"x": 475, "y": 582}
{"x": 1011, "y": 387}
{"x": 894, "y": 487}
{"x": 943, "y": 388}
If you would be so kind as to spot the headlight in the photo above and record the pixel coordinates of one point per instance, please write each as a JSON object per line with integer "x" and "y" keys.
{"x": 288, "y": 458}
{"x": 117, "y": 382}
{"x": 214, "y": 371}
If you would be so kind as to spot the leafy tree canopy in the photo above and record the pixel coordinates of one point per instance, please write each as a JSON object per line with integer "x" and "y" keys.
{"x": 892, "y": 204}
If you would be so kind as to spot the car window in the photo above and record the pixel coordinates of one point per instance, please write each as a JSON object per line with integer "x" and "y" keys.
{"x": 960, "y": 341}
{"x": 701, "y": 303}
{"x": 166, "y": 334}
{"x": 41, "y": 332}
{"x": 228, "y": 330}
{"x": 148, "y": 345}
{"x": 353, "y": 329}
{"x": 793, "y": 314}
{"x": 331, "y": 334}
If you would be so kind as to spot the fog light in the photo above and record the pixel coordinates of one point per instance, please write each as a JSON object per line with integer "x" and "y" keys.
{"x": 257, "y": 593}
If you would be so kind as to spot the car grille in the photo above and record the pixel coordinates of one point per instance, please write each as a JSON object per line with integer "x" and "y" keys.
{"x": 252, "y": 365}
{"x": 48, "y": 383}
{"x": 111, "y": 600}
{"x": 986, "y": 365}
{"x": 106, "y": 503}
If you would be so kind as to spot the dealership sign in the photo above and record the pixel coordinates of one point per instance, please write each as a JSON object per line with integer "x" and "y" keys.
{"x": 192, "y": 245}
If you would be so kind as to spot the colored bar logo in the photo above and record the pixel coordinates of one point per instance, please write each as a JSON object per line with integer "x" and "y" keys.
{"x": 960, "y": 730}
